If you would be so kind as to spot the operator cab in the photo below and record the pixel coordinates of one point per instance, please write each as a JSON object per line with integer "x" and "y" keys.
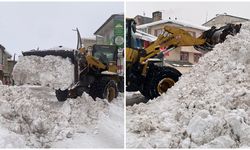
{"x": 105, "y": 53}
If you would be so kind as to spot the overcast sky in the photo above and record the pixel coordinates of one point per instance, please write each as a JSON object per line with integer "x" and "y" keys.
{"x": 195, "y": 12}
{"x": 28, "y": 25}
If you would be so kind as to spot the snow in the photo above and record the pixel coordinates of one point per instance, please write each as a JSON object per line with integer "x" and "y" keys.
{"x": 145, "y": 36}
{"x": 107, "y": 134}
{"x": 10, "y": 139}
{"x": 182, "y": 23}
{"x": 108, "y": 73}
{"x": 208, "y": 108}
{"x": 52, "y": 71}
{"x": 31, "y": 116}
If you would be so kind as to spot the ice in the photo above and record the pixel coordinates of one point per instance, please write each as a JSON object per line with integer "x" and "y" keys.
{"x": 208, "y": 108}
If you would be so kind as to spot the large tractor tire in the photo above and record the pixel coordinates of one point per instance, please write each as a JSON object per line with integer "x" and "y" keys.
{"x": 62, "y": 95}
{"x": 104, "y": 88}
{"x": 159, "y": 80}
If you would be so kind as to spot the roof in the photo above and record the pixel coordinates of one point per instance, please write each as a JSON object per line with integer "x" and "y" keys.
{"x": 226, "y": 15}
{"x": 145, "y": 36}
{"x": 144, "y": 19}
{"x": 2, "y": 47}
{"x": 4, "y": 50}
{"x": 181, "y": 23}
{"x": 108, "y": 20}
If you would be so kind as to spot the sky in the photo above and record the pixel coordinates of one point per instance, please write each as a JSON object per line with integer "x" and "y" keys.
{"x": 195, "y": 12}
{"x": 29, "y": 25}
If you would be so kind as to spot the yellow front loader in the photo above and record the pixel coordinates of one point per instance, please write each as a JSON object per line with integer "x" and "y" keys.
{"x": 95, "y": 74}
{"x": 152, "y": 80}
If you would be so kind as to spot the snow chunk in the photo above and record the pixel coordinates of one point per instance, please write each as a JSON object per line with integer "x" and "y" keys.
{"x": 52, "y": 71}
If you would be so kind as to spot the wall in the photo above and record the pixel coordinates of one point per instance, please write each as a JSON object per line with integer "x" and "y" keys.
{"x": 7, "y": 67}
{"x": 88, "y": 43}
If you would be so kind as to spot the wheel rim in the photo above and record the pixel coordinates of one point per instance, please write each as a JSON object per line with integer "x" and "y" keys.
{"x": 164, "y": 85}
{"x": 110, "y": 93}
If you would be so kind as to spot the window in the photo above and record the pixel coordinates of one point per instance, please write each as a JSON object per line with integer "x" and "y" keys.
{"x": 184, "y": 56}
{"x": 197, "y": 57}
{"x": 158, "y": 32}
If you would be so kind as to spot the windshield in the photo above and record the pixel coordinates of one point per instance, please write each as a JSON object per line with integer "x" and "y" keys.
{"x": 107, "y": 51}
{"x": 108, "y": 54}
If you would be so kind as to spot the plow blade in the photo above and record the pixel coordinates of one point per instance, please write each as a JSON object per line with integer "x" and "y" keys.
{"x": 215, "y": 36}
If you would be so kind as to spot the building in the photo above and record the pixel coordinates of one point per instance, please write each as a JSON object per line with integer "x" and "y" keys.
{"x": 6, "y": 66}
{"x": 223, "y": 19}
{"x": 111, "y": 32}
{"x": 88, "y": 43}
{"x": 142, "y": 19}
{"x": 182, "y": 58}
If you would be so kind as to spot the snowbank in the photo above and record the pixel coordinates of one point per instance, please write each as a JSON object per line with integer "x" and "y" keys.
{"x": 208, "y": 108}
{"x": 37, "y": 119}
{"x": 51, "y": 71}
{"x": 10, "y": 139}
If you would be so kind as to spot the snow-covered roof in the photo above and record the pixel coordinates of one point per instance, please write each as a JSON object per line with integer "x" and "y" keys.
{"x": 114, "y": 16}
{"x": 145, "y": 36}
{"x": 178, "y": 22}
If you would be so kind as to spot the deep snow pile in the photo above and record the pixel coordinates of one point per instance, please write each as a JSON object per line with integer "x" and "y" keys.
{"x": 31, "y": 116}
{"x": 52, "y": 71}
{"x": 208, "y": 107}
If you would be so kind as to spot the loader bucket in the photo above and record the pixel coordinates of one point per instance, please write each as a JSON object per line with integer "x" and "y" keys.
{"x": 215, "y": 36}
{"x": 43, "y": 53}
